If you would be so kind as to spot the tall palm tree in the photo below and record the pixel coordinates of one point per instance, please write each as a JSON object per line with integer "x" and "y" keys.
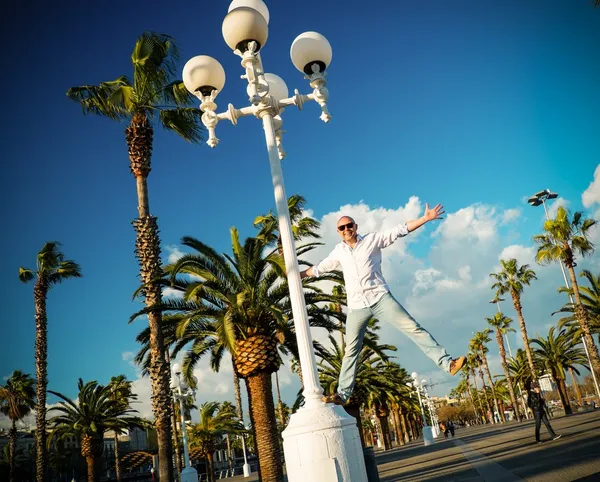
{"x": 93, "y": 413}
{"x": 484, "y": 390}
{"x": 464, "y": 387}
{"x": 213, "y": 425}
{"x": 501, "y": 324}
{"x": 479, "y": 342}
{"x": 17, "y": 399}
{"x": 469, "y": 369}
{"x": 153, "y": 97}
{"x": 239, "y": 304}
{"x": 121, "y": 392}
{"x": 51, "y": 268}
{"x": 562, "y": 241}
{"x": 558, "y": 353}
{"x": 512, "y": 279}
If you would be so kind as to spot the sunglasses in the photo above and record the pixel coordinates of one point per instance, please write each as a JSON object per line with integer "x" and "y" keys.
{"x": 343, "y": 227}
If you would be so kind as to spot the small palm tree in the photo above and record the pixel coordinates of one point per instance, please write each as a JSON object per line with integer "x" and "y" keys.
{"x": 590, "y": 299}
{"x": 154, "y": 96}
{"x": 17, "y": 399}
{"x": 562, "y": 241}
{"x": 51, "y": 269}
{"x": 213, "y": 425}
{"x": 559, "y": 353}
{"x": 121, "y": 392}
{"x": 512, "y": 279}
{"x": 93, "y": 413}
{"x": 502, "y": 324}
{"x": 478, "y": 343}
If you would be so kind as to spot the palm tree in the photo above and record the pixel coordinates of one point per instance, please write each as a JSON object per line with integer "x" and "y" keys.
{"x": 227, "y": 409}
{"x": 590, "y": 299}
{"x": 562, "y": 241}
{"x": 121, "y": 392}
{"x": 153, "y": 96}
{"x": 51, "y": 268}
{"x": 518, "y": 367}
{"x": 469, "y": 369}
{"x": 502, "y": 324}
{"x": 239, "y": 304}
{"x": 214, "y": 423}
{"x": 479, "y": 342}
{"x": 484, "y": 390}
{"x": 512, "y": 278}
{"x": 95, "y": 412}
{"x": 17, "y": 399}
{"x": 558, "y": 353}
{"x": 302, "y": 226}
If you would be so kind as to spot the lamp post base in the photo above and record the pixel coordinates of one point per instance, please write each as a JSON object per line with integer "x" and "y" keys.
{"x": 246, "y": 469}
{"x": 322, "y": 443}
{"x": 189, "y": 474}
{"x": 428, "y": 435}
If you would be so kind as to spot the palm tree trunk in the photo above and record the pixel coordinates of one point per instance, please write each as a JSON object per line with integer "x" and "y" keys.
{"x": 509, "y": 381}
{"x": 279, "y": 403}
{"x": 519, "y": 309}
{"x": 139, "y": 135}
{"x": 405, "y": 427}
{"x": 40, "y": 292}
{"x": 485, "y": 396}
{"x": 238, "y": 394}
{"x": 354, "y": 411}
{"x": 91, "y": 468}
{"x": 487, "y": 369}
{"x": 576, "y": 387}
{"x": 384, "y": 431}
{"x": 229, "y": 457}
{"x": 562, "y": 393}
{"x": 262, "y": 416}
{"x": 211, "y": 466}
{"x": 117, "y": 461}
{"x": 397, "y": 423}
{"x": 582, "y": 317}
{"x": 12, "y": 435}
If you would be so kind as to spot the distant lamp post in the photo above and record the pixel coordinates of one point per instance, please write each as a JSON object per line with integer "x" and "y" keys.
{"x": 427, "y": 431}
{"x": 321, "y": 441}
{"x": 181, "y": 392}
{"x": 540, "y": 198}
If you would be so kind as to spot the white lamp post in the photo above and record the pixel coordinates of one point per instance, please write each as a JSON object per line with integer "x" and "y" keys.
{"x": 321, "y": 441}
{"x": 540, "y": 198}
{"x": 180, "y": 392}
{"x": 427, "y": 431}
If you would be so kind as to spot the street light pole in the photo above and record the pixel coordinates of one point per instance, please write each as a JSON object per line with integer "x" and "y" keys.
{"x": 540, "y": 198}
{"x": 427, "y": 431}
{"x": 321, "y": 441}
{"x": 180, "y": 392}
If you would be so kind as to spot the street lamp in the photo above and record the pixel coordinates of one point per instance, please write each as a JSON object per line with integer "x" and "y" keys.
{"x": 427, "y": 431}
{"x": 182, "y": 391}
{"x": 321, "y": 441}
{"x": 540, "y": 198}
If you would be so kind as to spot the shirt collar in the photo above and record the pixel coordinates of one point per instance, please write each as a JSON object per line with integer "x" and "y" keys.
{"x": 359, "y": 238}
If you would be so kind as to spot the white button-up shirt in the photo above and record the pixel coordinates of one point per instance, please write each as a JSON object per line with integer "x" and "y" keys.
{"x": 361, "y": 265}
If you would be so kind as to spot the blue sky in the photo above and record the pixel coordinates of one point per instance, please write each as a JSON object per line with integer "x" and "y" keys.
{"x": 472, "y": 104}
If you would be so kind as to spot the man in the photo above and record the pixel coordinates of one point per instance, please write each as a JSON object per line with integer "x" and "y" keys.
{"x": 359, "y": 258}
{"x": 536, "y": 402}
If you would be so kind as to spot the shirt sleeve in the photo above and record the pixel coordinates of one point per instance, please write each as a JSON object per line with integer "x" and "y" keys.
{"x": 328, "y": 264}
{"x": 386, "y": 238}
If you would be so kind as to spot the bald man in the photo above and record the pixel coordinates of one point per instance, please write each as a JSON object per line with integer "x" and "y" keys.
{"x": 359, "y": 258}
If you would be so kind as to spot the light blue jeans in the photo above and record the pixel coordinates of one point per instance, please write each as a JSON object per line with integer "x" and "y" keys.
{"x": 389, "y": 310}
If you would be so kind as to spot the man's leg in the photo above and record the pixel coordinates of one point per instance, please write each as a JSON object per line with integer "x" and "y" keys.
{"x": 547, "y": 424}
{"x": 356, "y": 326}
{"x": 538, "y": 423}
{"x": 388, "y": 309}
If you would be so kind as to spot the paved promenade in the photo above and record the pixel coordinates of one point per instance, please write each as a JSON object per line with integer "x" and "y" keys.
{"x": 498, "y": 453}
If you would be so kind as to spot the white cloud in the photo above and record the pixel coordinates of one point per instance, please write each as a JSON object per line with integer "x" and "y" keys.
{"x": 510, "y": 215}
{"x": 591, "y": 195}
{"x": 174, "y": 253}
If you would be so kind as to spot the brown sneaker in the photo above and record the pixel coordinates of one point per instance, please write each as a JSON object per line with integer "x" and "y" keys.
{"x": 457, "y": 364}
{"x": 335, "y": 399}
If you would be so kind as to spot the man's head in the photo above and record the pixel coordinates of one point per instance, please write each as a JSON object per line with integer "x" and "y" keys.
{"x": 346, "y": 228}
{"x": 535, "y": 386}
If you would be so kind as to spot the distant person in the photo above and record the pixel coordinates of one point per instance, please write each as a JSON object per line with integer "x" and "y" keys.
{"x": 359, "y": 258}
{"x": 451, "y": 427}
{"x": 537, "y": 403}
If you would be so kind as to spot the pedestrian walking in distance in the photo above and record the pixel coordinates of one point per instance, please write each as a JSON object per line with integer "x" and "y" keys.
{"x": 537, "y": 403}
{"x": 359, "y": 258}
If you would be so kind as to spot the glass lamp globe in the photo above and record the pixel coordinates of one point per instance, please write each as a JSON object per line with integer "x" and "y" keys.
{"x": 176, "y": 368}
{"x": 414, "y": 375}
{"x": 203, "y": 73}
{"x": 277, "y": 87}
{"x": 308, "y": 49}
{"x": 257, "y": 5}
{"x": 243, "y": 25}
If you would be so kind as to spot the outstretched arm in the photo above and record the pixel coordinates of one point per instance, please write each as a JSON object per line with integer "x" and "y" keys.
{"x": 430, "y": 215}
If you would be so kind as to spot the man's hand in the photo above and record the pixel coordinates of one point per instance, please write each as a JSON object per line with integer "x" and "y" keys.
{"x": 434, "y": 213}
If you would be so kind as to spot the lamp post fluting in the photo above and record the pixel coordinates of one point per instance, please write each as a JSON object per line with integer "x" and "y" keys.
{"x": 321, "y": 441}
{"x": 181, "y": 392}
{"x": 540, "y": 198}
